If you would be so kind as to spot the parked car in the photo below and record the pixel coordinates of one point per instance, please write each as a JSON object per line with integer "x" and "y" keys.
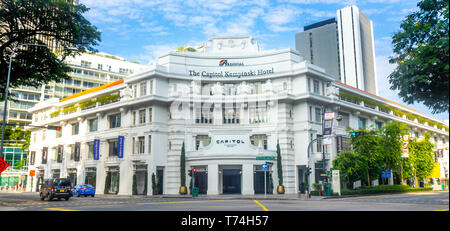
{"x": 83, "y": 189}
{"x": 56, "y": 188}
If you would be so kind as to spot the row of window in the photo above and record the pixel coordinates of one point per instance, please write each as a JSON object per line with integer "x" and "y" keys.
{"x": 345, "y": 122}
{"x": 88, "y": 64}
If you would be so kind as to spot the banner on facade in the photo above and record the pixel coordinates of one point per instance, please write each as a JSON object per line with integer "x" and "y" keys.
{"x": 328, "y": 127}
{"x": 96, "y": 149}
{"x": 405, "y": 150}
{"x": 120, "y": 144}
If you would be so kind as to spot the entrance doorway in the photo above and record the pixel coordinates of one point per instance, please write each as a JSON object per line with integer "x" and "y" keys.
{"x": 140, "y": 180}
{"x": 90, "y": 177}
{"x": 112, "y": 181}
{"x": 258, "y": 182}
{"x": 159, "y": 180}
{"x": 201, "y": 180}
{"x": 231, "y": 179}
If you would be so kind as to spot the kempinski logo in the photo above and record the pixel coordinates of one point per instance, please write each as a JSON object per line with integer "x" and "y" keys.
{"x": 225, "y": 62}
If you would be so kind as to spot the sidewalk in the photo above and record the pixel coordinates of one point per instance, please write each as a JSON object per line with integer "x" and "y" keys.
{"x": 223, "y": 197}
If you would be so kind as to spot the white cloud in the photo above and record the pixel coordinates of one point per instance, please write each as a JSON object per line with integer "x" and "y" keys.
{"x": 277, "y": 18}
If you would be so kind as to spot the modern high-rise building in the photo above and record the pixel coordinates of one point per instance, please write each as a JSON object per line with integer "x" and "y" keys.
{"x": 89, "y": 70}
{"x": 344, "y": 47}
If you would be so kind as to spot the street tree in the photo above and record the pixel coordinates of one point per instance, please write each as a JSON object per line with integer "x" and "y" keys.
{"x": 352, "y": 167}
{"x": 390, "y": 143}
{"x": 55, "y": 23}
{"x": 368, "y": 146}
{"x": 420, "y": 163}
{"x": 421, "y": 52}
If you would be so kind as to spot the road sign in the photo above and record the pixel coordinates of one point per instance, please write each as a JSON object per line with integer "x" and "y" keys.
{"x": 264, "y": 167}
{"x": 269, "y": 163}
{"x": 265, "y": 158}
{"x": 386, "y": 174}
{"x": 3, "y": 165}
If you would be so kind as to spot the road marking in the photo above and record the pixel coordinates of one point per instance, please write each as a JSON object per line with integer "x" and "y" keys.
{"x": 257, "y": 202}
{"x": 178, "y": 202}
{"x": 441, "y": 210}
{"x": 60, "y": 209}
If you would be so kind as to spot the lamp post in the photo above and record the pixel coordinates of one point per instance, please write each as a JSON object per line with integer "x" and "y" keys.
{"x": 7, "y": 89}
{"x": 338, "y": 118}
{"x": 7, "y": 86}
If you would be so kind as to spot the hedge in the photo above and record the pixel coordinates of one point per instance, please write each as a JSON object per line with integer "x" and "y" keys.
{"x": 378, "y": 190}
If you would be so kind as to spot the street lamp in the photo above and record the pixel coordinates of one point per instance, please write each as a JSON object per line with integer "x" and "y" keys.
{"x": 338, "y": 118}
{"x": 7, "y": 85}
{"x": 7, "y": 90}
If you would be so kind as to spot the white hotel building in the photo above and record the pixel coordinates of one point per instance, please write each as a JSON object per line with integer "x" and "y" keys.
{"x": 230, "y": 105}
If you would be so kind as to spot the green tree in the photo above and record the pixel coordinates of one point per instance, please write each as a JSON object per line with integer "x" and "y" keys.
{"x": 422, "y": 56}
{"x": 421, "y": 158}
{"x": 183, "y": 166}
{"x": 390, "y": 144}
{"x": 279, "y": 166}
{"x": 35, "y": 22}
{"x": 352, "y": 166}
{"x": 368, "y": 146}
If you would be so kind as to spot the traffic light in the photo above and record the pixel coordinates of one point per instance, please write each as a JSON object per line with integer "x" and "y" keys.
{"x": 308, "y": 171}
{"x": 356, "y": 134}
{"x": 194, "y": 170}
{"x": 190, "y": 172}
{"x": 51, "y": 127}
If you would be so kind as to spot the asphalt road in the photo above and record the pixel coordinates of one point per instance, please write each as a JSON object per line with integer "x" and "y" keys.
{"x": 425, "y": 201}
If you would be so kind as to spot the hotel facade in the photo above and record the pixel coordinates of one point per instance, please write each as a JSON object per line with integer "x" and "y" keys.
{"x": 230, "y": 105}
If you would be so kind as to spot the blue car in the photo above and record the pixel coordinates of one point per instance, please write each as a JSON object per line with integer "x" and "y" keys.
{"x": 83, "y": 189}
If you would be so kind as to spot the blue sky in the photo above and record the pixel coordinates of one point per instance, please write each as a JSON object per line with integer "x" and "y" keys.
{"x": 141, "y": 30}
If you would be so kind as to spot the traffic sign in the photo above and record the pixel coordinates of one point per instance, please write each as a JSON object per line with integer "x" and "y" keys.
{"x": 265, "y": 158}
{"x": 3, "y": 165}
{"x": 269, "y": 163}
{"x": 264, "y": 167}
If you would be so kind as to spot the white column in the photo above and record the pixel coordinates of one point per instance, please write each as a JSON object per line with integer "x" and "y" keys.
{"x": 247, "y": 179}
{"x": 213, "y": 179}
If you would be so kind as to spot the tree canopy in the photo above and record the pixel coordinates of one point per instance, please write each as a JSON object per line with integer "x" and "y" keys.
{"x": 422, "y": 56}
{"x": 55, "y": 23}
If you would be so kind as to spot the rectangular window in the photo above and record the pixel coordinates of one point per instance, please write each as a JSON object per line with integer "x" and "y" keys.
{"x": 319, "y": 143}
{"x": 114, "y": 120}
{"x": 257, "y": 140}
{"x": 318, "y": 115}
{"x": 142, "y": 116}
{"x": 85, "y": 63}
{"x": 75, "y": 128}
{"x": 143, "y": 88}
{"x": 345, "y": 120}
{"x": 378, "y": 125}
{"x": 316, "y": 86}
{"x": 90, "y": 151}
{"x": 141, "y": 144}
{"x": 362, "y": 123}
{"x": 113, "y": 146}
{"x": 93, "y": 125}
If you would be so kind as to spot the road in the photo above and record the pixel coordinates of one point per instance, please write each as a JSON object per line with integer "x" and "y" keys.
{"x": 424, "y": 201}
